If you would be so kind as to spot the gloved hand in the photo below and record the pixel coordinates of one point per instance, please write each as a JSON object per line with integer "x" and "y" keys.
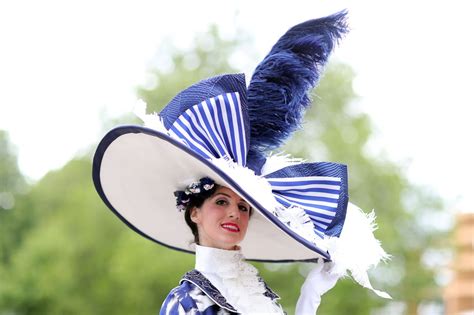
{"x": 319, "y": 281}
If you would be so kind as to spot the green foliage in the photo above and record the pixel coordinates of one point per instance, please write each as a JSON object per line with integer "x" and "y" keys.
{"x": 79, "y": 259}
{"x": 12, "y": 188}
{"x": 11, "y": 178}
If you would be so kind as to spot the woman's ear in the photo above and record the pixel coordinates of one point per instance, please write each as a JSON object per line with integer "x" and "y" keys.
{"x": 195, "y": 215}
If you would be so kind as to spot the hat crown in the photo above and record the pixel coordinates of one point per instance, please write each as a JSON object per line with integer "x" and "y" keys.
{"x": 201, "y": 91}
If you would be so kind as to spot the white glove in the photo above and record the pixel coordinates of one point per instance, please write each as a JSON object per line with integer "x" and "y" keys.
{"x": 319, "y": 281}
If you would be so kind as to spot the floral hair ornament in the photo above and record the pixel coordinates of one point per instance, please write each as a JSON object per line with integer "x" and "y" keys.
{"x": 225, "y": 130}
{"x": 203, "y": 189}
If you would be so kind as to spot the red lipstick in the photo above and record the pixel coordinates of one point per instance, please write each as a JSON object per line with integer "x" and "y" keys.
{"x": 231, "y": 227}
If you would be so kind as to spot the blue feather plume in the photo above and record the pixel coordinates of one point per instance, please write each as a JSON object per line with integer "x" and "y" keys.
{"x": 278, "y": 93}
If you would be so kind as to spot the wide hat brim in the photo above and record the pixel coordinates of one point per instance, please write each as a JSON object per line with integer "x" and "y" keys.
{"x": 136, "y": 171}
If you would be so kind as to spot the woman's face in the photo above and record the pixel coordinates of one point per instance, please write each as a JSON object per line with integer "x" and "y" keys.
{"x": 222, "y": 219}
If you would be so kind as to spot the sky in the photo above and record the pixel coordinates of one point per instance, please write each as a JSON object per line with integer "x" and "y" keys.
{"x": 65, "y": 65}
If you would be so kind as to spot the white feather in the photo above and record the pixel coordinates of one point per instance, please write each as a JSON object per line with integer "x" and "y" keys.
{"x": 300, "y": 223}
{"x": 152, "y": 121}
{"x": 245, "y": 177}
{"x": 357, "y": 250}
{"x": 277, "y": 161}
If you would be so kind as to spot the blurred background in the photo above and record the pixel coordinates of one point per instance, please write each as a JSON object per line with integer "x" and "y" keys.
{"x": 395, "y": 104}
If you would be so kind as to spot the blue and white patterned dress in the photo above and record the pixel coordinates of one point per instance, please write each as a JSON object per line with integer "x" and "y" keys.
{"x": 196, "y": 295}
{"x": 222, "y": 283}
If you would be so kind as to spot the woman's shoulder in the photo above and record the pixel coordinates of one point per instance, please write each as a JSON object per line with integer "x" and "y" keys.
{"x": 182, "y": 299}
{"x": 205, "y": 289}
{"x": 197, "y": 295}
{"x": 192, "y": 296}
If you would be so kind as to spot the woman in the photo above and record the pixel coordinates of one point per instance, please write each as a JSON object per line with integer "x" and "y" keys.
{"x": 219, "y": 218}
{"x": 220, "y": 221}
{"x": 211, "y": 147}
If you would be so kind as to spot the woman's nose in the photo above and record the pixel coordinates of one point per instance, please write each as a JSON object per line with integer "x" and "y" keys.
{"x": 234, "y": 212}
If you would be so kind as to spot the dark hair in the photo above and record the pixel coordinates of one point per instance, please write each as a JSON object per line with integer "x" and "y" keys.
{"x": 197, "y": 200}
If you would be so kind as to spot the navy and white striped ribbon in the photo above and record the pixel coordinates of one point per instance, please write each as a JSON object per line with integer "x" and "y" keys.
{"x": 317, "y": 195}
{"x": 214, "y": 128}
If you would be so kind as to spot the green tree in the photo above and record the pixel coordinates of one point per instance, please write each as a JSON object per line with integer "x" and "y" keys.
{"x": 79, "y": 259}
{"x": 12, "y": 187}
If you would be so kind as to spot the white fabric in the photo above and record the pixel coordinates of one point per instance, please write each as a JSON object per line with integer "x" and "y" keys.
{"x": 236, "y": 280}
{"x": 319, "y": 281}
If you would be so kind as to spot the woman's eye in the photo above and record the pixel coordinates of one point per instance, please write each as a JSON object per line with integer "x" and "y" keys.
{"x": 221, "y": 202}
{"x": 243, "y": 208}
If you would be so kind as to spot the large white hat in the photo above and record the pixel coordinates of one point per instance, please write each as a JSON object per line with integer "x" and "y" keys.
{"x": 137, "y": 170}
{"x": 221, "y": 129}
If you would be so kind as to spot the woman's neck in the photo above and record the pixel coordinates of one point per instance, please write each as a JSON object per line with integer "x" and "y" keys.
{"x": 215, "y": 260}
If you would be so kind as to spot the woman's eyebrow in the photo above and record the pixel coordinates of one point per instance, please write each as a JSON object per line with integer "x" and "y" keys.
{"x": 221, "y": 193}
{"x": 241, "y": 199}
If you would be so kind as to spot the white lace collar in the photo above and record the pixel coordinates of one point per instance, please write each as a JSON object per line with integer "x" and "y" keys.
{"x": 237, "y": 280}
{"x": 218, "y": 261}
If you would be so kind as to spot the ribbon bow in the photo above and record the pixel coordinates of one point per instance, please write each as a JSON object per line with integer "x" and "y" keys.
{"x": 218, "y": 128}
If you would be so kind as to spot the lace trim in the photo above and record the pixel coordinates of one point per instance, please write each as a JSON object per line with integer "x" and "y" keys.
{"x": 269, "y": 292}
{"x": 199, "y": 280}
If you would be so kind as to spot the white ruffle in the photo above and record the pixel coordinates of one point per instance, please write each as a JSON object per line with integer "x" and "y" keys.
{"x": 237, "y": 280}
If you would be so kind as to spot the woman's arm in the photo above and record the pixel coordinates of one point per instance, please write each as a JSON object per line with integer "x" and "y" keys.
{"x": 172, "y": 305}
{"x": 319, "y": 281}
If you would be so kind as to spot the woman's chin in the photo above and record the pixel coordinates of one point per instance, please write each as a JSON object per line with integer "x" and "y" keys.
{"x": 229, "y": 244}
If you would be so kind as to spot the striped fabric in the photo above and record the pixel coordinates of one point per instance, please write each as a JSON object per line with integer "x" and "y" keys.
{"x": 198, "y": 296}
{"x": 188, "y": 298}
{"x": 317, "y": 195}
{"x": 214, "y": 128}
